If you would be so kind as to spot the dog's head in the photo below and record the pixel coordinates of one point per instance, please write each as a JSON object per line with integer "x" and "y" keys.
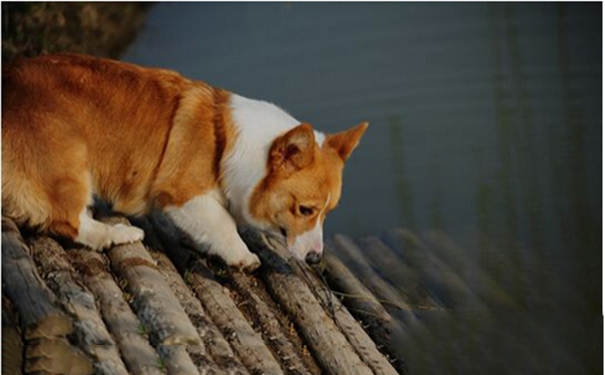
{"x": 303, "y": 183}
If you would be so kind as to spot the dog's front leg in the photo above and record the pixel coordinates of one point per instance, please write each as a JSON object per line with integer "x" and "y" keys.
{"x": 206, "y": 220}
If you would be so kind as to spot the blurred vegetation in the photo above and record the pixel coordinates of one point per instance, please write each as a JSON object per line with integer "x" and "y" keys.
{"x": 100, "y": 29}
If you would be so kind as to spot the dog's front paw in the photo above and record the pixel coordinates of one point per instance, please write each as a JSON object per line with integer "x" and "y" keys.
{"x": 240, "y": 258}
{"x": 120, "y": 234}
{"x": 248, "y": 264}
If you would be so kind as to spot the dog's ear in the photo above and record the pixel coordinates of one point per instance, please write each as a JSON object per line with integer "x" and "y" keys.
{"x": 345, "y": 142}
{"x": 293, "y": 150}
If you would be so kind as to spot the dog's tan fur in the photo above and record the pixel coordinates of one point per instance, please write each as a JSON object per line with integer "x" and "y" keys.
{"x": 76, "y": 126}
{"x": 89, "y": 130}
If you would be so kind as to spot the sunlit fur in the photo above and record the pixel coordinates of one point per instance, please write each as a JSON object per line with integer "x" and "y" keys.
{"x": 75, "y": 126}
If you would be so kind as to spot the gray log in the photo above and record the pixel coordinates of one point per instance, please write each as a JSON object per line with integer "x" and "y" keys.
{"x": 129, "y": 333}
{"x": 153, "y": 301}
{"x": 34, "y": 302}
{"x": 90, "y": 331}
{"x": 332, "y": 350}
{"x": 363, "y": 345}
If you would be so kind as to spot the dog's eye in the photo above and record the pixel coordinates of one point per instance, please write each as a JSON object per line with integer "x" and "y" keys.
{"x": 305, "y": 211}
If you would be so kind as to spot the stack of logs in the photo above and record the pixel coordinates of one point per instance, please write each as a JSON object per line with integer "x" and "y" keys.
{"x": 159, "y": 308}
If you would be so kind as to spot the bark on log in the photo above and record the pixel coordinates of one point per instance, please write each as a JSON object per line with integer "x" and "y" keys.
{"x": 91, "y": 335}
{"x": 176, "y": 360}
{"x": 33, "y": 301}
{"x": 214, "y": 344}
{"x": 129, "y": 333}
{"x": 217, "y": 345}
{"x": 363, "y": 345}
{"x": 291, "y": 362}
{"x": 55, "y": 356}
{"x": 332, "y": 350}
{"x": 153, "y": 301}
{"x": 12, "y": 345}
{"x": 248, "y": 344}
{"x": 359, "y": 301}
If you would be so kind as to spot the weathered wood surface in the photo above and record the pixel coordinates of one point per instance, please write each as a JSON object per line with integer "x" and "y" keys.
{"x": 286, "y": 323}
{"x": 362, "y": 304}
{"x": 331, "y": 348}
{"x": 129, "y": 333}
{"x": 176, "y": 360}
{"x": 55, "y": 356}
{"x": 89, "y": 330}
{"x": 269, "y": 326}
{"x": 12, "y": 345}
{"x": 248, "y": 344}
{"x": 219, "y": 305}
{"x": 363, "y": 345}
{"x": 152, "y": 299}
{"x": 34, "y": 302}
{"x": 215, "y": 355}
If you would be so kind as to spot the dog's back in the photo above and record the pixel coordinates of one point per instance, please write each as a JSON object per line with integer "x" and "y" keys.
{"x": 71, "y": 124}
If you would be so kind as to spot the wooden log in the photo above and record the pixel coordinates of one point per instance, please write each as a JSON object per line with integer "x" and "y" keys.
{"x": 152, "y": 299}
{"x": 442, "y": 281}
{"x": 460, "y": 260}
{"x": 363, "y": 345}
{"x": 55, "y": 356}
{"x": 214, "y": 344}
{"x": 90, "y": 332}
{"x": 176, "y": 360}
{"x": 217, "y": 344}
{"x": 34, "y": 302}
{"x": 129, "y": 333}
{"x": 12, "y": 345}
{"x": 273, "y": 334}
{"x": 248, "y": 344}
{"x": 351, "y": 255}
{"x": 394, "y": 268}
{"x": 357, "y": 298}
{"x": 330, "y": 347}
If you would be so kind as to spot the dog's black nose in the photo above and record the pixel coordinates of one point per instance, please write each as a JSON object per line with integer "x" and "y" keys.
{"x": 313, "y": 257}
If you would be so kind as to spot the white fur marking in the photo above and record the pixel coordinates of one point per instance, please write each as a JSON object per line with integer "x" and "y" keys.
{"x": 312, "y": 240}
{"x": 259, "y": 124}
{"x": 206, "y": 221}
{"x": 98, "y": 236}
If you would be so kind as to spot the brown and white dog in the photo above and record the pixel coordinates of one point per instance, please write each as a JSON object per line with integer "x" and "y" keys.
{"x": 75, "y": 127}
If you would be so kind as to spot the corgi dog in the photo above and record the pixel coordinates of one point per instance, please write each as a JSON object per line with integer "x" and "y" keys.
{"x": 76, "y": 127}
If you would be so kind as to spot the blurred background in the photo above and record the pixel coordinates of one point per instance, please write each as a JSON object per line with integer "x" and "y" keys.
{"x": 474, "y": 202}
{"x": 485, "y": 136}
